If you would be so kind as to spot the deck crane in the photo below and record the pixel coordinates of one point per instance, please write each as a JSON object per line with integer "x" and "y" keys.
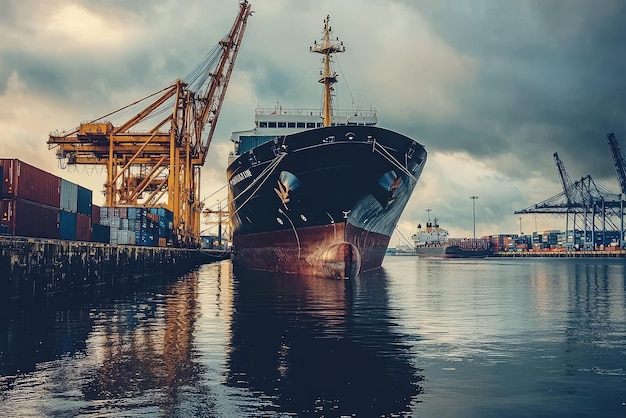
{"x": 157, "y": 164}
{"x": 618, "y": 160}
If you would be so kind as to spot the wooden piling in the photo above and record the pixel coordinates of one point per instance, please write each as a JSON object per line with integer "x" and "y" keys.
{"x": 31, "y": 266}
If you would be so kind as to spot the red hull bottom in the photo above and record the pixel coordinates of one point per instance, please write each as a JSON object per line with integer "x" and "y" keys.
{"x": 337, "y": 250}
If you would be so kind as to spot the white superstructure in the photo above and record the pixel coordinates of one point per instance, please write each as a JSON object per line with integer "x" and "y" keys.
{"x": 272, "y": 122}
{"x": 430, "y": 236}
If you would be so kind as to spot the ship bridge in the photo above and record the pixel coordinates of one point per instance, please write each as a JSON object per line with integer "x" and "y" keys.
{"x": 273, "y": 122}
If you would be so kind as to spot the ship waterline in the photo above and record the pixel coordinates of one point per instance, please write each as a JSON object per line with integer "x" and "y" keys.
{"x": 324, "y": 250}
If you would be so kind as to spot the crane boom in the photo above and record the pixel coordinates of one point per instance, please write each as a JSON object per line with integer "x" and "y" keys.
{"x": 159, "y": 165}
{"x": 566, "y": 181}
{"x": 217, "y": 89}
{"x": 618, "y": 161}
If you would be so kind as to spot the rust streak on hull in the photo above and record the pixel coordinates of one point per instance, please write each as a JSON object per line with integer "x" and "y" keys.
{"x": 324, "y": 251}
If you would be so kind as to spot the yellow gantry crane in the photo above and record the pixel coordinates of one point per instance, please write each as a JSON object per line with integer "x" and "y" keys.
{"x": 221, "y": 221}
{"x": 157, "y": 164}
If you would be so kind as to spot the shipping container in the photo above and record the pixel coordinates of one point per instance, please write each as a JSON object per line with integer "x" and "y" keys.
{"x": 164, "y": 227}
{"x": 67, "y": 225}
{"x": 144, "y": 224}
{"x": 100, "y": 233}
{"x": 146, "y": 239}
{"x": 163, "y": 212}
{"x": 84, "y": 201}
{"x": 95, "y": 213}
{"x": 29, "y": 219}
{"x": 83, "y": 227}
{"x": 122, "y": 213}
{"x": 69, "y": 196}
{"x": 124, "y": 237}
{"x": 24, "y": 181}
{"x": 137, "y": 213}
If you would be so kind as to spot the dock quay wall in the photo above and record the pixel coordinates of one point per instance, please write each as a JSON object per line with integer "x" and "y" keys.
{"x": 562, "y": 254}
{"x": 32, "y": 266}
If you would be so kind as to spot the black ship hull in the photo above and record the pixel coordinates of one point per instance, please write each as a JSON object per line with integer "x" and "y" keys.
{"x": 321, "y": 202}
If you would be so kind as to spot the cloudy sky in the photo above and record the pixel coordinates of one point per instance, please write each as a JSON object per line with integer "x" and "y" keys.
{"x": 491, "y": 88}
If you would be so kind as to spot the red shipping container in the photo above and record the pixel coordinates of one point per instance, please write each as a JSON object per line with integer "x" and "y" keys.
{"x": 29, "y": 219}
{"x": 24, "y": 181}
{"x": 95, "y": 214}
{"x": 83, "y": 227}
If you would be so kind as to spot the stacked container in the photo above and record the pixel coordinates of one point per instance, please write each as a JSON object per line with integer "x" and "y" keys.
{"x": 67, "y": 213}
{"x": 35, "y": 203}
{"x": 117, "y": 221}
{"x": 166, "y": 221}
{"x": 99, "y": 232}
{"x": 30, "y": 200}
{"x": 83, "y": 214}
{"x": 140, "y": 226}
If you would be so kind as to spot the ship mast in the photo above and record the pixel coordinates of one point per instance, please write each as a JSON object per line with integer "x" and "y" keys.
{"x": 328, "y": 77}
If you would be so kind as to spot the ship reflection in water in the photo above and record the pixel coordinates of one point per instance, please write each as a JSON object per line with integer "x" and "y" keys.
{"x": 421, "y": 337}
{"x": 211, "y": 343}
{"x": 309, "y": 345}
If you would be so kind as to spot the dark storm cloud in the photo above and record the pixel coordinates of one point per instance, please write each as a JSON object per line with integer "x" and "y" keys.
{"x": 83, "y": 81}
{"x": 507, "y": 83}
{"x": 93, "y": 76}
{"x": 550, "y": 77}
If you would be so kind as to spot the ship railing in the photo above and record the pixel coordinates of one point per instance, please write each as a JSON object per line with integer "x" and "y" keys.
{"x": 265, "y": 111}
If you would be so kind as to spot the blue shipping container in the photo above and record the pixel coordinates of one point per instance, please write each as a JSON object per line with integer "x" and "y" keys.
{"x": 147, "y": 239}
{"x": 85, "y": 197}
{"x": 67, "y": 225}
{"x": 137, "y": 213}
{"x": 163, "y": 212}
{"x": 100, "y": 233}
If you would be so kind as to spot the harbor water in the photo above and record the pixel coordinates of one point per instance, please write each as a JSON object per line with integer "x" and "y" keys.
{"x": 420, "y": 337}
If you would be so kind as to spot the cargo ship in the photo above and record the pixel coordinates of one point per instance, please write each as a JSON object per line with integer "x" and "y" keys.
{"x": 318, "y": 192}
{"x": 433, "y": 241}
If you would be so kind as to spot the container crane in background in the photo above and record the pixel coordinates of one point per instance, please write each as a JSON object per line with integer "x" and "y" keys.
{"x": 600, "y": 209}
{"x": 218, "y": 218}
{"x": 618, "y": 160}
{"x": 157, "y": 164}
{"x": 566, "y": 181}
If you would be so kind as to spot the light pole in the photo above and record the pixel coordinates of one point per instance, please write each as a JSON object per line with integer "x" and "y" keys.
{"x": 474, "y": 212}
{"x": 520, "y": 227}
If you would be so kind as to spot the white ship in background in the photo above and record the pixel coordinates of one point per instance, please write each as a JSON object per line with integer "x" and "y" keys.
{"x": 434, "y": 241}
